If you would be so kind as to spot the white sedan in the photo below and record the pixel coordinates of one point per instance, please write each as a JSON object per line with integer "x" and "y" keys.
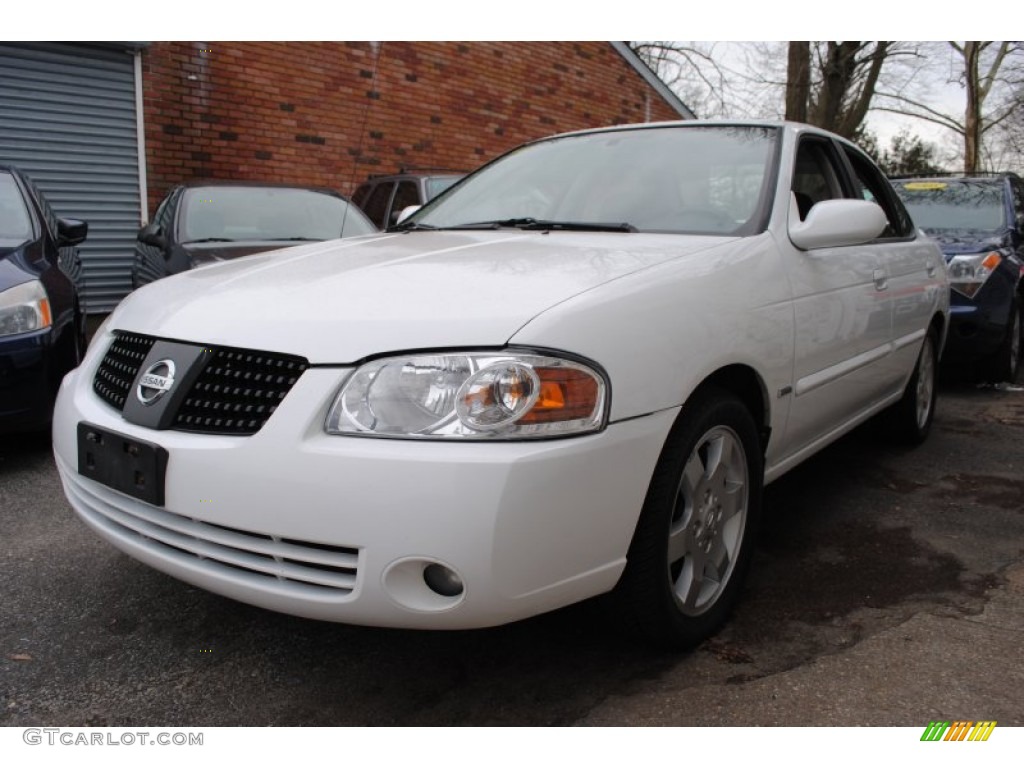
{"x": 572, "y": 372}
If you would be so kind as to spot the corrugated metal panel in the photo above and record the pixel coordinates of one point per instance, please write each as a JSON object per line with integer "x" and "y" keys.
{"x": 67, "y": 118}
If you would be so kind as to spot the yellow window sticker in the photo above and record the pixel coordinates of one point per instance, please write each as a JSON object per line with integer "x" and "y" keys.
{"x": 925, "y": 185}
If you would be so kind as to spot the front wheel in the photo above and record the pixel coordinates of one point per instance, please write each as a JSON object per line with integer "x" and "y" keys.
{"x": 693, "y": 542}
{"x": 1005, "y": 364}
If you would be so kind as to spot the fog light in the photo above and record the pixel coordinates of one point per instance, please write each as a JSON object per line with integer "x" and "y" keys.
{"x": 444, "y": 581}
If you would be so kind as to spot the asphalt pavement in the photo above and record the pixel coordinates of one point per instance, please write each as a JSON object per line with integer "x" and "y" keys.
{"x": 887, "y": 589}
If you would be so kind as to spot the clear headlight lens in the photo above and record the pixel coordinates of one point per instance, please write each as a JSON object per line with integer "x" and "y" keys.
{"x": 24, "y": 308}
{"x": 473, "y": 395}
{"x": 969, "y": 272}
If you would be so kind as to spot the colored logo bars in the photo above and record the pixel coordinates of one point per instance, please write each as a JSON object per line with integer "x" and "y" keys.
{"x": 959, "y": 730}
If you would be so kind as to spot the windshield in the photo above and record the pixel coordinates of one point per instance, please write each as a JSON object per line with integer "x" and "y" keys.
{"x": 15, "y": 224}
{"x": 267, "y": 213}
{"x": 705, "y": 179}
{"x": 945, "y": 205}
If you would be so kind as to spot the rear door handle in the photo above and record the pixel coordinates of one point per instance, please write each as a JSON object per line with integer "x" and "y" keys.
{"x": 929, "y": 267}
{"x": 881, "y": 279}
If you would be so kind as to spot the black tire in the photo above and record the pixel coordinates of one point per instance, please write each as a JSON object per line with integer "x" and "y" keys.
{"x": 1004, "y": 365}
{"x": 910, "y": 420}
{"x": 678, "y": 600}
{"x": 80, "y": 337}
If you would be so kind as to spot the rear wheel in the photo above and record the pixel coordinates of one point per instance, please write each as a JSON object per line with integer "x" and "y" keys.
{"x": 910, "y": 420}
{"x": 694, "y": 538}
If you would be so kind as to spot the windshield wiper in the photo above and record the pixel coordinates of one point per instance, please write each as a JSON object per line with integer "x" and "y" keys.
{"x": 409, "y": 226}
{"x": 293, "y": 239}
{"x": 547, "y": 225}
{"x": 210, "y": 240}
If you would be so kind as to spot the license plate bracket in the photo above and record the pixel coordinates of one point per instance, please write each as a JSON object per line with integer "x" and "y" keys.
{"x": 126, "y": 464}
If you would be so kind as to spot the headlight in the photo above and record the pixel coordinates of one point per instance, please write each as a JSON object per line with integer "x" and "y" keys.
{"x": 472, "y": 395}
{"x": 968, "y": 273}
{"x": 24, "y": 308}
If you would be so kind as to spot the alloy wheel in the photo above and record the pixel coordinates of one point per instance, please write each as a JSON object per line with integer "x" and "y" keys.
{"x": 708, "y": 520}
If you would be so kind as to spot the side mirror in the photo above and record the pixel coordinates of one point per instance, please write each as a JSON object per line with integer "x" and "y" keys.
{"x": 71, "y": 232}
{"x": 408, "y": 211}
{"x": 153, "y": 235}
{"x": 835, "y": 223}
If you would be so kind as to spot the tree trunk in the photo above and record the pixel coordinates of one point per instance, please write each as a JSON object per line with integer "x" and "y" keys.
{"x": 857, "y": 109}
{"x": 972, "y": 114}
{"x": 837, "y": 79}
{"x": 798, "y": 80}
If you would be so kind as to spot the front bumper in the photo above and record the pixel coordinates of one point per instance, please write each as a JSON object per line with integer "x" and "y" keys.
{"x": 973, "y": 335}
{"x": 978, "y": 325}
{"x": 341, "y": 528}
{"x": 27, "y": 381}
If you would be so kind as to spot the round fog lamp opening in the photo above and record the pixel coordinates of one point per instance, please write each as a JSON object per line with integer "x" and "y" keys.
{"x": 442, "y": 580}
{"x": 498, "y": 395}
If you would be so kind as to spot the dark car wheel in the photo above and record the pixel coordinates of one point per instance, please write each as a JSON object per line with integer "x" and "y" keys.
{"x": 1005, "y": 363}
{"x": 693, "y": 542}
{"x": 81, "y": 336}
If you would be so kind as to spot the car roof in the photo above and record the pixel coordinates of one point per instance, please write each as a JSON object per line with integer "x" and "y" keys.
{"x": 783, "y": 125}
{"x": 426, "y": 173}
{"x": 946, "y": 176}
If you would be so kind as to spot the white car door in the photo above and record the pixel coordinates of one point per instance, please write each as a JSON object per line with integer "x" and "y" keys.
{"x": 842, "y": 311}
{"x": 913, "y": 265}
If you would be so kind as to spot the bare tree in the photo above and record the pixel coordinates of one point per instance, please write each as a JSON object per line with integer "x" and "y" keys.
{"x": 697, "y": 72}
{"x": 798, "y": 80}
{"x": 849, "y": 74}
{"x": 831, "y": 83}
{"x": 990, "y": 73}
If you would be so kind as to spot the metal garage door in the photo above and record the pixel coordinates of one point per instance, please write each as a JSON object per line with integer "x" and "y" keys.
{"x": 67, "y": 118}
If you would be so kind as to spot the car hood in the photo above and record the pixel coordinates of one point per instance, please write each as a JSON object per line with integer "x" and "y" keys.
{"x": 13, "y": 269}
{"x": 957, "y": 241}
{"x": 343, "y": 300}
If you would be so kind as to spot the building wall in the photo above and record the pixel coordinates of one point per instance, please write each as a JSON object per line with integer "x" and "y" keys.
{"x": 331, "y": 114}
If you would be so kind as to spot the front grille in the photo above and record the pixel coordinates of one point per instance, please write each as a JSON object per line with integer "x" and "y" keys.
{"x": 120, "y": 366}
{"x": 237, "y": 391}
{"x": 234, "y": 394}
{"x": 306, "y": 569}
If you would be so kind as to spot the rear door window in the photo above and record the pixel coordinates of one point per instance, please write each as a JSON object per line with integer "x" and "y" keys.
{"x": 876, "y": 189}
{"x": 376, "y": 207}
{"x": 406, "y": 194}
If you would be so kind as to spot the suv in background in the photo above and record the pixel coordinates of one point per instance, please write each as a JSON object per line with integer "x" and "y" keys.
{"x": 383, "y": 198}
{"x": 978, "y": 221}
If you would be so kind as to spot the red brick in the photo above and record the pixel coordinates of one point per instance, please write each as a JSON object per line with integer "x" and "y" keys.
{"x": 489, "y": 96}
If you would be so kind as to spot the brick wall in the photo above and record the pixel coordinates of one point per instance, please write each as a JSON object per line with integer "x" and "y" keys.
{"x": 331, "y": 114}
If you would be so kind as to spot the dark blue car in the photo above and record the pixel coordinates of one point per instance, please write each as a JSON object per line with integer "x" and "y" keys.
{"x": 42, "y": 327}
{"x": 978, "y": 222}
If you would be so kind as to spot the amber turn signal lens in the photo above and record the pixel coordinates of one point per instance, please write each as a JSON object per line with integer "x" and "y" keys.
{"x": 992, "y": 261}
{"x": 565, "y": 394}
{"x": 44, "y": 312}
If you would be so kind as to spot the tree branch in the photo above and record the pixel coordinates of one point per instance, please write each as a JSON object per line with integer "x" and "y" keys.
{"x": 931, "y": 115}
